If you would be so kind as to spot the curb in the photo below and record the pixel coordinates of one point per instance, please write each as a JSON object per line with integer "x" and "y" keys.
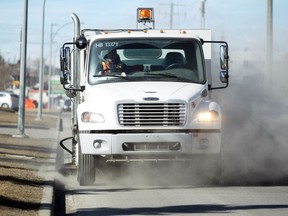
{"x": 48, "y": 196}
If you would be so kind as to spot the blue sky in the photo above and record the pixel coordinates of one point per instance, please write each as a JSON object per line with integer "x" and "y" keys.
{"x": 242, "y": 23}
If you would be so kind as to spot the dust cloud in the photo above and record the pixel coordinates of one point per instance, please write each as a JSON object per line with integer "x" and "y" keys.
{"x": 255, "y": 120}
{"x": 154, "y": 174}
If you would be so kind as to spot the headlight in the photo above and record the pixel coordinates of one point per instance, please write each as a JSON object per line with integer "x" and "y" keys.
{"x": 208, "y": 116}
{"x": 90, "y": 117}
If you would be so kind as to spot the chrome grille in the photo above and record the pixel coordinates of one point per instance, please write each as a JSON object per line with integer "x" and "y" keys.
{"x": 155, "y": 114}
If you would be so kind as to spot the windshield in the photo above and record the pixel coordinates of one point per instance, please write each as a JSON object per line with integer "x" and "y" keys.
{"x": 123, "y": 60}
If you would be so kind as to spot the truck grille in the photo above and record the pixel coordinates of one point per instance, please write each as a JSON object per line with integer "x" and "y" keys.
{"x": 156, "y": 114}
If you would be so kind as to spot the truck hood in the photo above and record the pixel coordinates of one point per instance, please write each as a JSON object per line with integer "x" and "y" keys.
{"x": 143, "y": 91}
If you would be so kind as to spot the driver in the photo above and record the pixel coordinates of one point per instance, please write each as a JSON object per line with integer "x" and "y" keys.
{"x": 111, "y": 63}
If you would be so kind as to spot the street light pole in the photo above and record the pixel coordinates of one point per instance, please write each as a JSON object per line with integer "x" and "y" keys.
{"x": 21, "y": 113}
{"x": 41, "y": 69}
{"x": 50, "y": 69}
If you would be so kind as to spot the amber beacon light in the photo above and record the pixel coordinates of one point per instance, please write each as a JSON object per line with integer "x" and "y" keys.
{"x": 145, "y": 15}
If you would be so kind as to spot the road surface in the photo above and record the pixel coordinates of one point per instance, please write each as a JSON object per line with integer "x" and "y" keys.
{"x": 176, "y": 200}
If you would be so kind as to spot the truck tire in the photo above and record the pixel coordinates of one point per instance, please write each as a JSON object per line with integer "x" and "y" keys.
{"x": 86, "y": 169}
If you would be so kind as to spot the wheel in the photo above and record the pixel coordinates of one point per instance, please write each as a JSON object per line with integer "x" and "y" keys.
{"x": 86, "y": 169}
{"x": 5, "y": 105}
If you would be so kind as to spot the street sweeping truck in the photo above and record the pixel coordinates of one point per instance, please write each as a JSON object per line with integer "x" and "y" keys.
{"x": 142, "y": 95}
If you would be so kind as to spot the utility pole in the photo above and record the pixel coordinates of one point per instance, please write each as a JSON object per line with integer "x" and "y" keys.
{"x": 21, "y": 113}
{"x": 171, "y": 15}
{"x": 41, "y": 69}
{"x": 202, "y": 9}
{"x": 269, "y": 41}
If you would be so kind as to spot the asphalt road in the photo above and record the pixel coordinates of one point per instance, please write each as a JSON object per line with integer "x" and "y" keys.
{"x": 146, "y": 190}
{"x": 176, "y": 200}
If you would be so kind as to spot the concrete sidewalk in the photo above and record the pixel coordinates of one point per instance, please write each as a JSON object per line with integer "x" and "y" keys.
{"x": 46, "y": 134}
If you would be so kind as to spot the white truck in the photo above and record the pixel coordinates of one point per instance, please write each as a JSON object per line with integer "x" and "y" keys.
{"x": 155, "y": 107}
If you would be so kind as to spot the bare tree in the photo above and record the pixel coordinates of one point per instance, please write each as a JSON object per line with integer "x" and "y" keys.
{"x": 5, "y": 73}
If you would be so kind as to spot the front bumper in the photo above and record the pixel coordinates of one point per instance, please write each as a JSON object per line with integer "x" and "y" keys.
{"x": 150, "y": 143}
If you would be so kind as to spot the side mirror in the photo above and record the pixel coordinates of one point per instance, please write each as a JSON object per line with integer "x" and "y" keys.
{"x": 224, "y": 60}
{"x": 65, "y": 76}
{"x": 65, "y": 66}
{"x": 224, "y": 57}
{"x": 65, "y": 59}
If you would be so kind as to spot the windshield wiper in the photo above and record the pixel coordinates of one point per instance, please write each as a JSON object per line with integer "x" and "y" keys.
{"x": 123, "y": 75}
{"x": 168, "y": 75}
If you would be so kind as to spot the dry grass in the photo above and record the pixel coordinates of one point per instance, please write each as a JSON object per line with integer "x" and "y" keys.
{"x": 20, "y": 187}
{"x": 10, "y": 117}
{"x": 20, "y": 190}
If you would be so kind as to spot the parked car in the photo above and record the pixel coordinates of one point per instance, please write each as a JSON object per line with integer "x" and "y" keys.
{"x": 9, "y": 100}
